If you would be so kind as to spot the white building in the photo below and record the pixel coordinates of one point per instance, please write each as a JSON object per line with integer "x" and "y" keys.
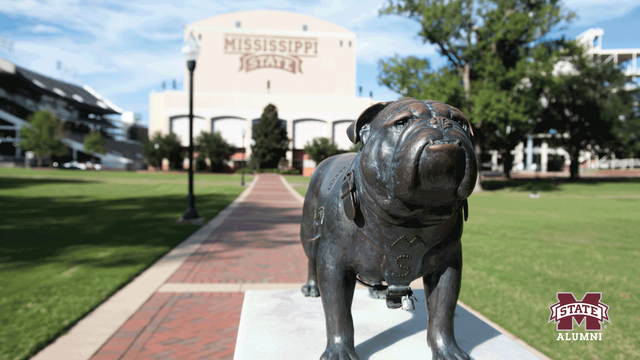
{"x": 304, "y": 66}
{"x": 591, "y": 40}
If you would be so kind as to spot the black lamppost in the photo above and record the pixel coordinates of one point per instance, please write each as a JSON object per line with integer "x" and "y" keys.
{"x": 191, "y": 50}
{"x": 244, "y": 150}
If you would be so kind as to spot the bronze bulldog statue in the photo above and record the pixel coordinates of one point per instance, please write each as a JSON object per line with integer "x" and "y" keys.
{"x": 390, "y": 214}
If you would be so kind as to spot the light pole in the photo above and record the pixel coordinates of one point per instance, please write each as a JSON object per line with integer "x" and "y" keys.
{"x": 191, "y": 50}
{"x": 244, "y": 150}
{"x": 252, "y": 143}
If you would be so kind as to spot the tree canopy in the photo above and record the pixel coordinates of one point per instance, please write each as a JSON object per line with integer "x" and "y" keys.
{"x": 94, "y": 143}
{"x": 488, "y": 47}
{"x": 271, "y": 142}
{"x": 43, "y": 136}
{"x": 153, "y": 151}
{"x": 174, "y": 151}
{"x": 160, "y": 147}
{"x": 215, "y": 148}
{"x": 584, "y": 102}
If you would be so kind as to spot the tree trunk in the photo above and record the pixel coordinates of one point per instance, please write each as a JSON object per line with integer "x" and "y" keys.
{"x": 39, "y": 161}
{"x": 507, "y": 163}
{"x": 466, "y": 82}
{"x": 574, "y": 168}
{"x": 478, "y": 188}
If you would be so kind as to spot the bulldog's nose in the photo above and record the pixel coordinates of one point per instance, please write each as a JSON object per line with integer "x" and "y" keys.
{"x": 442, "y": 164}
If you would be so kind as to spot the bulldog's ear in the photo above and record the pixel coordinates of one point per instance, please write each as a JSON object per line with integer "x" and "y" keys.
{"x": 353, "y": 131}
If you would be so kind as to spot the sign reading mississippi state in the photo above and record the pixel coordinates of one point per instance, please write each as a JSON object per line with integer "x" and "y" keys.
{"x": 270, "y": 52}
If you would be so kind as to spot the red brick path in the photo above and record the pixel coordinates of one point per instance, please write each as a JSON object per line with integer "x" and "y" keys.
{"x": 259, "y": 242}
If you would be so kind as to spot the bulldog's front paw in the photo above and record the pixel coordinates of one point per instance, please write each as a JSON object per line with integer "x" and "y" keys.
{"x": 377, "y": 294}
{"x": 339, "y": 352}
{"x": 448, "y": 350}
{"x": 310, "y": 289}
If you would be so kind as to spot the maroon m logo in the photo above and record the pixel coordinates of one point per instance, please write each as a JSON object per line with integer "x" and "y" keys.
{"x": 568, "y": 308}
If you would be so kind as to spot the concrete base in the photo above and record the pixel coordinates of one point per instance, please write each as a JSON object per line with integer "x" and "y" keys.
{"x": 198, "y": 221}
{"x": 283, "y": 324}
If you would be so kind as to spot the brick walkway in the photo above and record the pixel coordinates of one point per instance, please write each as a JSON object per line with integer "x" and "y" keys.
{"x": 258, "y": 243}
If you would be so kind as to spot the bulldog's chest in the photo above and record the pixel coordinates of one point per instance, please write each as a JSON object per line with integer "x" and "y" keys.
{"x": 395, "y": 255}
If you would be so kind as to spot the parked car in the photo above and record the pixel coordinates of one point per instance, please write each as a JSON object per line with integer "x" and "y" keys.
{"x": 74, "y": 165}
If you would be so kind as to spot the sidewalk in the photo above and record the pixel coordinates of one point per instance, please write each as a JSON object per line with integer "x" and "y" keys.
{"x": 258, "y": 243}
{"x": 193, "y": 309}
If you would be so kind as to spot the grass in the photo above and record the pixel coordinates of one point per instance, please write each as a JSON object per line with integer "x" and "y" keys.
{"x": 70, "y": 239}
{"x": 299, "y": 183}
{"x": 577, "y": 237}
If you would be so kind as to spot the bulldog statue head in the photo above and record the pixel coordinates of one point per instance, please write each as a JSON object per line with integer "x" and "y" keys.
{"x": 417, "y": 164}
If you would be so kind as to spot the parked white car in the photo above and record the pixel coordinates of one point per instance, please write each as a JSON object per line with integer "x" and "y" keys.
{"x": 74, "y": 165}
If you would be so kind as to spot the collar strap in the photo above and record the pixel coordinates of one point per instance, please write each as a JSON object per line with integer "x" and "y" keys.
{"x": 350, "y": 202}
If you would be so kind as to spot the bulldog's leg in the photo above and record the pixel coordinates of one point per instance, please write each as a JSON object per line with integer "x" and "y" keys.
{"x": 336, "y": 287}
{"x": 311, "y": 287}
{"x": 441, "y": 291}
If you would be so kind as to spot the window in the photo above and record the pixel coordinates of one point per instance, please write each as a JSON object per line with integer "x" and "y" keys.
{"x": 340, "y": 43}
{"x": 238, "y": 24}
{"x": 304, "y": 28}
{"x": 349, "y": 43}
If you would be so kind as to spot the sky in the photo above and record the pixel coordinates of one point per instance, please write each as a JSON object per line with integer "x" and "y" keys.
{"x": 126, "y": 49}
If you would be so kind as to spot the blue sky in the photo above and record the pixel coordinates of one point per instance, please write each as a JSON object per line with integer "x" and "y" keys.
{"x": 124, "y": 50}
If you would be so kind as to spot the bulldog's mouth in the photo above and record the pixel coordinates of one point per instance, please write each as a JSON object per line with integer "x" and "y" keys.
{"x": 441, "y": 144}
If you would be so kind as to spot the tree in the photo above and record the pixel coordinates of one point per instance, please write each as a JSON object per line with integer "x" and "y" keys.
{"x": 488, "y": 47}
{"x": 627, "y": 130}
{"x": 43, "y": 136}
{"x": 215, "y": 148}
{"x": 173, "y": 150}
{"x": 413, "y": 77}
{"x": 161, "y": 147}
{"x": 94, "y": 144}
{"x": 320, "y": 149}
{"x": 583, "y": 100}
{"x": 271, "y": 140}
{"x": 154, "y": 151}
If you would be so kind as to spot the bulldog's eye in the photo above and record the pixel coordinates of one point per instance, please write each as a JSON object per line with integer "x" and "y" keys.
{"x": 400, "y": 124}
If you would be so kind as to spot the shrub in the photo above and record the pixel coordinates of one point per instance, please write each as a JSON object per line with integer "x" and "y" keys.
{"x": 215, "y": 148}
{"x": 320, "y": 149}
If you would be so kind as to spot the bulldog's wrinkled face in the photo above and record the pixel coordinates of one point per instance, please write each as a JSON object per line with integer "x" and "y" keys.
{"x": 418, "y": 153}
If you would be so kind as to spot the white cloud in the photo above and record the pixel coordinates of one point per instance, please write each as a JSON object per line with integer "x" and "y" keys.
{"x": 592, "y": 11}
{"x": 44, "y": 29}
{"x": 373, "y": 46}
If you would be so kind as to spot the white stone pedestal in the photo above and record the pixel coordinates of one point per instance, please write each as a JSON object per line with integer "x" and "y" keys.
{"x": 284, "y": 325}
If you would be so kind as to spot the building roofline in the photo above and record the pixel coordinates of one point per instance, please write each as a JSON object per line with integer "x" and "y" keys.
{"x": 54, "y": 87}
{"x": 7, "y": 67}
{"x": 341, "y": 30}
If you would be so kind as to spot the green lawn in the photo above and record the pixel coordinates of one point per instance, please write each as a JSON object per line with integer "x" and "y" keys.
{"x": 70, "y": 239}
{"x": 578, "y": 237}
{"x": 299, "y": 183}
